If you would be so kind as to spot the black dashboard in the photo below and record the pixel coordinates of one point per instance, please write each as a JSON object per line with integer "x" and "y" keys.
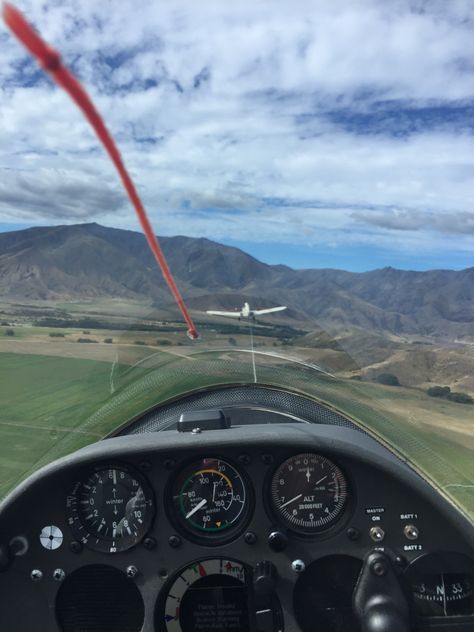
{"x": 247, "y": 519}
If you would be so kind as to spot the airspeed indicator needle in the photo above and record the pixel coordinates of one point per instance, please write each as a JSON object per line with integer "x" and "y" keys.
{"x": 196, "y": 508}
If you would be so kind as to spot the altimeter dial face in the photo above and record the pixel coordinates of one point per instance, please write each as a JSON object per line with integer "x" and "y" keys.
{"x": 308, "y": 493}
{"x": 111, "y": 510}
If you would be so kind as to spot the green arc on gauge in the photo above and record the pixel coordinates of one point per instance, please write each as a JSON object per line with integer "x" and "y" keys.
{"x": 223, "y": 525}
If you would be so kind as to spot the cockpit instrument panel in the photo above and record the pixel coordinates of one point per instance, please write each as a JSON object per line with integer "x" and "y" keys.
{"x": 255, "y": 527}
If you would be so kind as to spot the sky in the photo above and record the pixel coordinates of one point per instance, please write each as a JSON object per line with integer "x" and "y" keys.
{"x": 315, "y": 134}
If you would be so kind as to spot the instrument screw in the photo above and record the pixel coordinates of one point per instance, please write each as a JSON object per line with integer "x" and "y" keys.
{"x": 132, "y": 571}
{"x": 298, "y": 566}
{"x": 145, "y": 466}
{"x": 353, "y": 533}
{"x": 169, "y": 464}
{"x": 250, "y": 537}
{"x": 267, "y": 459}
{"x": 379, "y": 569}
{"x": 59, "y": 575}
{"x": 149, "y": 543}
{"x": 244, "y": 459}
{"x": 75, "y": 547}
{"x": 174, "y": 541}
{"x": 36, "y": 575}
{"x": 196, "y": 431}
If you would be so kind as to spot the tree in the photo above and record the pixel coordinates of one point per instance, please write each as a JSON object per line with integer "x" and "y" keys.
{"x": 9, "y": 332}
{"x": 460, "y": 398}
{"x": 439, "y": 391}
{"x": 389, "y": 379}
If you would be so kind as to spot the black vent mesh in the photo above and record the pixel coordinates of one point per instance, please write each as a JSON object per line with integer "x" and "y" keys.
{"x": 99, "y": 598}
{"x": 245, "y": 401}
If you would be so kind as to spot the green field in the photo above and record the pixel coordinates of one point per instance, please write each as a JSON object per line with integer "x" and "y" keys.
{"x": 53, "y": 405}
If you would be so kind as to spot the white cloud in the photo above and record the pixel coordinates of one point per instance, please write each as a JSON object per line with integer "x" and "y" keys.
{"x": 254, "y": 136}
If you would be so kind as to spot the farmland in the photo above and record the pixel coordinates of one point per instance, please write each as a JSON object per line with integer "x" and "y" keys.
{"x": 62, "y": 395}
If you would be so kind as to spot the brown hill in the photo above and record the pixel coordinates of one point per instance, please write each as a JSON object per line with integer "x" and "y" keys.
{"x": 89, "y": 260}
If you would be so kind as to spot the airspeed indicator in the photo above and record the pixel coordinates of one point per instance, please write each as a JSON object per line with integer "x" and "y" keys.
{"x": 308, "y": 493}
{"x": 209, "y": 498}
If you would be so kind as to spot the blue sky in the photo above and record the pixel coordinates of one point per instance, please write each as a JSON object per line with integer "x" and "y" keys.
{"x": 322, "y": 136}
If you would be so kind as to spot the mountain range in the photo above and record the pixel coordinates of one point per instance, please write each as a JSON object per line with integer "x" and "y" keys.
{"x": 89, "y": 260}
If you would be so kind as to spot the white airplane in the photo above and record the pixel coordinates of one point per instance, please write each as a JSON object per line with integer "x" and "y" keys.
{"x": 246, "y": 312}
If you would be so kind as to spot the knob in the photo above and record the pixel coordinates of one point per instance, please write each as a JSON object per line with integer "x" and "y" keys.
{"x": 277, "y": 540}
{"x": 264, "y": 578}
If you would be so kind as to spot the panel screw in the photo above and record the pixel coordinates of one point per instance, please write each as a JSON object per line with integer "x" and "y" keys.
{"x": 174, "y": 541}
{"x": 169, "y": 464}
{"x": 75, "y": 547}
{"x": 149, "y": 543}
{"x": 59, "y": 575}
{"x": 145, "y": 466}
{"x": 353, "y": 533}
{"x": 250, "y": 537}
{"x": 298, "y": 566}
{"x": 267, "y": 459}
{"x": 379, "y": 569}
{"x": 163, "y": 573}
{"x": 244, "y": 459}
{"x": 36, "y": 575}
{"x": 132, "y": 571}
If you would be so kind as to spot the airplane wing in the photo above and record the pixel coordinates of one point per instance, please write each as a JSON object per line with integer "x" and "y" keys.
{"x": 231, "y": 314}
{"x": 258, "y": 312}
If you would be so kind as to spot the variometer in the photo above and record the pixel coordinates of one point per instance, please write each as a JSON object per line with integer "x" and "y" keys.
{"x": 111, "y": 509}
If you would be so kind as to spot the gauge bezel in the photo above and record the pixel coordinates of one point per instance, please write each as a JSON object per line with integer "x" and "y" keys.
{"x": 81, "y": 531}
{"x": 208, "y": 538}
{"x": 320, "y": 533}
{"x": 160, "y": 603}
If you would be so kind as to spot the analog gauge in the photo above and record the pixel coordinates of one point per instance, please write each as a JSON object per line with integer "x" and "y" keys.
{"x": 209, "y": 497}
{"x": 444, "y": 594}
{"x": 111, "y": 510}
{"x": 308, "y": 493}
{"x": 442, "y": 584}
{"x": 207, "y": 595}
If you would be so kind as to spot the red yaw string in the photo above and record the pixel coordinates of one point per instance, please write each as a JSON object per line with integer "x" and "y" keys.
{"x": 50, "y": 61}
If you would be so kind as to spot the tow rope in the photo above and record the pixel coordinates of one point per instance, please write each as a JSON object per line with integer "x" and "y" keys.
{"x": 50, "y": 60}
